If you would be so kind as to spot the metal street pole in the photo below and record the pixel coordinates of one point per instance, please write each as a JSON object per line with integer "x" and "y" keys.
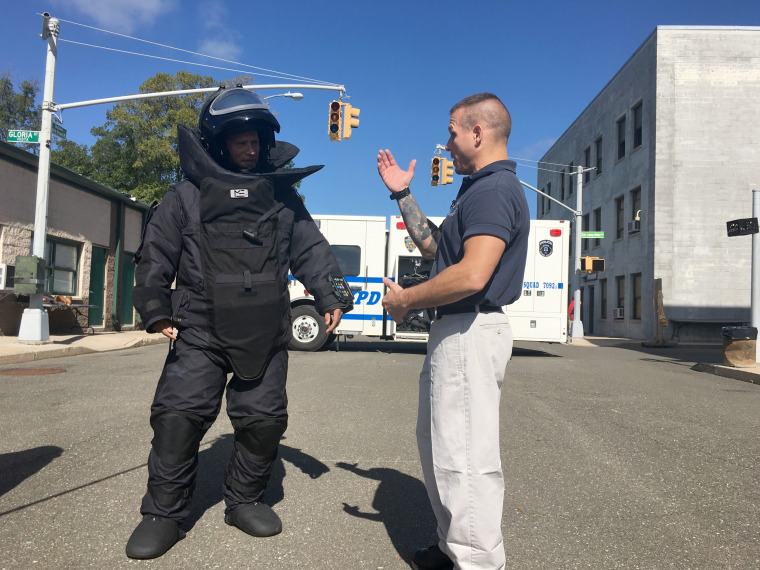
{"x": 755, "y": 282}
{"x": 35, "y": 326}
{"x": 577, "y": 326}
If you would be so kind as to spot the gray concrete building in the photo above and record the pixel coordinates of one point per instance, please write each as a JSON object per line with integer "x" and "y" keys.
{"x": 674, "y": 139}
{"x": 92, "y": 234}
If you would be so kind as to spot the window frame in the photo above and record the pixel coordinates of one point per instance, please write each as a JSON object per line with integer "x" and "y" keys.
{"x": 620, "y": 130}
{"x": 51, "y": 246}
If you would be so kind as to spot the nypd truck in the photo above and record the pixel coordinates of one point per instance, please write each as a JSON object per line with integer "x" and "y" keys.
{"x": 370, "y": 247}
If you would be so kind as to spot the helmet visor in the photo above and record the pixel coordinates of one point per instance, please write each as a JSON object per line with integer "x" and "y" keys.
{"x": 237, "y": 100}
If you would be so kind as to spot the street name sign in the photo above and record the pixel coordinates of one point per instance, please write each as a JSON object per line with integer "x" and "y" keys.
{"x": 24, "y": 136}
{"x": 742, "y": 227}
{"x": 592, "y": 235}
{"x": 58, "y": 130}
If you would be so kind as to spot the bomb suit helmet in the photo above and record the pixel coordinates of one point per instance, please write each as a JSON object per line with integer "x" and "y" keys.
{"x": 236, "y": 110}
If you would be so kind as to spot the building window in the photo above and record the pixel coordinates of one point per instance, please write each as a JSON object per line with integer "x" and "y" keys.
{"x": 571, "y": 179}
{"x": 562, "y": 185}
{"x": 62, "y": 263}
{"x": 637, "y": 131}
{"x": 636, "y": 278}
{"x": 587, "y": 165}
{"x": 585, "y": 229}
{"x": 619, "y": 216}
{"x": 620, "y": 305}
{"x": 603, "y": 297}
{"x": 548, "y": 193}
{"x": 598, "y": 150}
{"x": 621, "y": 137}
{"x": 635, "y": 202}
{"x": 597, "y": 226}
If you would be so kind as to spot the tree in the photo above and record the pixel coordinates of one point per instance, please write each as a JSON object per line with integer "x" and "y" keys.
{"x": 18, "y": 109}
{"x": 136, "y": 150}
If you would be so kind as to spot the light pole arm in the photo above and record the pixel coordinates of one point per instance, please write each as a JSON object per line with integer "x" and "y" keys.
{"x": 340, "y": 88}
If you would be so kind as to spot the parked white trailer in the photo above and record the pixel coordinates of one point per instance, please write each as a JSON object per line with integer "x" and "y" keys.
{"x": 370, "y": 247}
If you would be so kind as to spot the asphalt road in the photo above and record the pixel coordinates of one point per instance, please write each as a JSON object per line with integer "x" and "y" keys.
{"x": 613, "y": 458}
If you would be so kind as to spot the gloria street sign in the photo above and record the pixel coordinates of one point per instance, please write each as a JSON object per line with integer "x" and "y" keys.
{"x": 24, "y": 136}
{"x": 592, "y": 235}
{"x": 58, "y": 130}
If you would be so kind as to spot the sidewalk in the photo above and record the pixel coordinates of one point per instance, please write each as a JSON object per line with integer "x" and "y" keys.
{"x": 749, "y": 374}
{"x": 13, "y": 352}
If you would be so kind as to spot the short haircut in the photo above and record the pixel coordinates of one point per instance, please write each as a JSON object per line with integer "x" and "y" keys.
{"x": 487, "y": 109}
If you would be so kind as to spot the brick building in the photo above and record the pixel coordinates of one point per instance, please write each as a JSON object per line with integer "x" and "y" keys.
{"x": 92, "y": 234}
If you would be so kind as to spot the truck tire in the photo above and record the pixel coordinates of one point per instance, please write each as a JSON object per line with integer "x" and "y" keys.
{"x": 308, "y": 329}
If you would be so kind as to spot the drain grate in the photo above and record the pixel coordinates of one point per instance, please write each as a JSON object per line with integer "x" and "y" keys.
{"x": 31, "y": 371}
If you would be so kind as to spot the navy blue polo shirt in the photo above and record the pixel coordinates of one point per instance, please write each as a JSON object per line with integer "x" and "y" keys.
{"x": 490, "y": 202}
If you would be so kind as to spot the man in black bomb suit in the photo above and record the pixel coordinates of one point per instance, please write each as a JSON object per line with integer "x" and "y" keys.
{"x": 226, "y": 237}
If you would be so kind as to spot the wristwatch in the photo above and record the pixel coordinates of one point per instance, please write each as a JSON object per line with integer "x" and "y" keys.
{"x": 400, "y": 194}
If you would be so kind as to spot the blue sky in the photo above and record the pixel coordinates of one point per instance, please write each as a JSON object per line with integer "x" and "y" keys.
{"x": 404, "y": 63}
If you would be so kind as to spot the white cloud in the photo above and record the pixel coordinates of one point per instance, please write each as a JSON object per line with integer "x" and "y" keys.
{"x": 124, "y": 16}
{"x": 224, "y": 49}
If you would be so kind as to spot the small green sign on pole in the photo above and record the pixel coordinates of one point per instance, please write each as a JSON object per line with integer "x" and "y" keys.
{"x": 24, "y": 136}
{"x": 58, "y": 130}
{"x": 592, "y": 235}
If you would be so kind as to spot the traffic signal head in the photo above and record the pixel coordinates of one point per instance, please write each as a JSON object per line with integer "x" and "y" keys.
{"x": 447, "y": 171}
{"x": 350, "y": 120}
{"x": 435, "y": 171}
{"x": 334, "y": 125}
{"x": 592, "y": 264}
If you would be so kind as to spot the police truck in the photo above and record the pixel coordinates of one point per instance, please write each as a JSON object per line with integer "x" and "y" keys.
{"x": 370, "y": 247}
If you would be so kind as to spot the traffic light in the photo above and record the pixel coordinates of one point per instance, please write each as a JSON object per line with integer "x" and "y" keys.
{"x": 334, "y": 125}
{"x": 435, "y": 171}
{"x": 592, "y": 264}
{"x": 349, "y": 119}
{"x": 447, "y": 171}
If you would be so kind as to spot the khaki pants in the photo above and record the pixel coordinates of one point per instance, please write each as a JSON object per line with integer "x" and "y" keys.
{"x": 458, "y": 434}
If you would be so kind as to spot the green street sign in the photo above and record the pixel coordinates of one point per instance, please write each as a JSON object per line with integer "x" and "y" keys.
{"x": 24, "y": 136}
{"x": 58, "y": 130}
{"x": 592, "y": 235}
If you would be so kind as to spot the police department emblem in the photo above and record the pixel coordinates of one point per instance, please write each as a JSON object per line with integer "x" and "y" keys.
{"x": 545, "y": 247}
{"x": 409, "y": 243}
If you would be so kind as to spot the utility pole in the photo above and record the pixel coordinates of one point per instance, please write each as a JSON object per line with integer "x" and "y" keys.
{"x": 35, "y": 325}
{"x": 577, "y": 325}
{"x": 755, "y": 278}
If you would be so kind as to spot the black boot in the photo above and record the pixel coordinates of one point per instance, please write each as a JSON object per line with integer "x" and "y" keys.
{"x": 431, "y": 558}
{"x": 153, "y": 537}
{"x": 256, "y": 519}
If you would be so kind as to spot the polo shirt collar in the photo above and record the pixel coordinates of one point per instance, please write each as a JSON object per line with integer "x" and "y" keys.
{"x": 468, "y": 181}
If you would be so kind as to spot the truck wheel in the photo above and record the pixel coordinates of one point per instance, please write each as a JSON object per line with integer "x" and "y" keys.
{"x": 308, "y": 329}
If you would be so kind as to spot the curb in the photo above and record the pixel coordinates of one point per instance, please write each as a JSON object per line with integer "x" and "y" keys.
{"x": 62, "y": 351}
{"x": 750, "y": 374}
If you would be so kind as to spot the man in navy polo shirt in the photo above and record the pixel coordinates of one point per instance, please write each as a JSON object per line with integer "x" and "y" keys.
{"x": 480, "y": 252}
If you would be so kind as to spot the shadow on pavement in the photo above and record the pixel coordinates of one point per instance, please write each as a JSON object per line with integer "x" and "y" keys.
{"x": 17, "y": 466}
{"x": 212, "y": 463}
{"x": 402, "y": 505}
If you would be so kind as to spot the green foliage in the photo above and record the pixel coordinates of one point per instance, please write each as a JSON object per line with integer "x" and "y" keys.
{"x": 136, "y": 150}
{"x": 18, "y": 109}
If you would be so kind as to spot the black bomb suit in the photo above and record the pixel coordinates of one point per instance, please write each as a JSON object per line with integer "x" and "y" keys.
{"x": 229, "y": 240}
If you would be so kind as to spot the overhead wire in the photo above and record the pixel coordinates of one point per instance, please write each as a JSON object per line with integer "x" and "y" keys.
{"x": 280, "y": 74}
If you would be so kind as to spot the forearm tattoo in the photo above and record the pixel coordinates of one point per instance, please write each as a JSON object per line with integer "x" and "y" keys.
{"x": 425, "y": 234}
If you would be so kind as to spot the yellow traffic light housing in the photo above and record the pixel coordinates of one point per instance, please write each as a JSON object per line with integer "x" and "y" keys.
{"x": 447, "y": 171}
{"x": 592, "y": 264}
{"x": 334, "y": 129}
{"x": 435, "y": 171}
{"x": 350, "y": 120}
